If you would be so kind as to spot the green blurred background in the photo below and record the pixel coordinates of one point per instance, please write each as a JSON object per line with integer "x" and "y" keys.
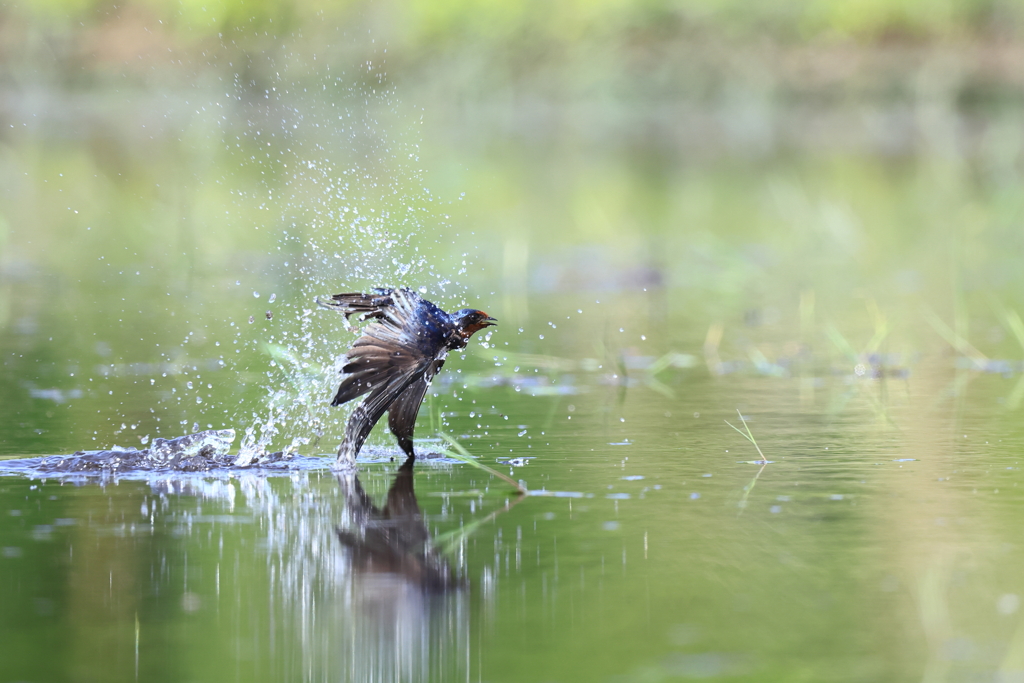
{"x": 808, "y": 210}
{"x": 750, "y": 174}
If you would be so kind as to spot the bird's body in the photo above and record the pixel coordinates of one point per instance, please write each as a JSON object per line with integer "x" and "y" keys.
{"x": 394, "y": 359}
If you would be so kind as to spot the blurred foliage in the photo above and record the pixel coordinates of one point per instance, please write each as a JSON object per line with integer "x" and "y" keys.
{"x": 440, "y": 22}
{"x": 707, "y": 166}
{"x": 582, "y": 47}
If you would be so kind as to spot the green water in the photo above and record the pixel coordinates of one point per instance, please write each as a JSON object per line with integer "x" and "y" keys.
{"x": 851, "y": 289}
{"x": 840, "y": 560}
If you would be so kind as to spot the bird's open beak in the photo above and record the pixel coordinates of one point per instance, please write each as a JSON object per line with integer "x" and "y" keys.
{"x": 490, "y": 322}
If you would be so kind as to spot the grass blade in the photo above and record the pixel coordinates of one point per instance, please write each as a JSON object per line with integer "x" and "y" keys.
{"x": 458, "y": 452}
{"x": 749, "y": 436}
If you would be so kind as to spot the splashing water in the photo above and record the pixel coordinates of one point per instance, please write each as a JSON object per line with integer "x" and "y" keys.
{"x": 197, "y": 452}
{"x": 354, "y": 210}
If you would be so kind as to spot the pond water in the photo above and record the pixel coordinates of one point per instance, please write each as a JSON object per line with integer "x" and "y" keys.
{"x": 856, "y": 308}
{"x": 880, "y": 543}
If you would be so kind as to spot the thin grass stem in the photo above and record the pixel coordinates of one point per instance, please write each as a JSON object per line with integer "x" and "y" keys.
{"x": 458, "y": 452}
{"x": 749, "y": 436}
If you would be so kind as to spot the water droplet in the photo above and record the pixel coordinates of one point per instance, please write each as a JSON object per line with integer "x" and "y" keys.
{"x": 256, "y": 294}
{"x": 273, "y": 298}
{"x": 1008, "y": 603}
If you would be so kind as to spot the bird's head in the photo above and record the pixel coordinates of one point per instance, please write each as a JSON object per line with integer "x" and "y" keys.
{"x": 470, "y": 320}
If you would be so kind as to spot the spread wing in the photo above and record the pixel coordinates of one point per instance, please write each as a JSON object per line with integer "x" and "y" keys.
{"x": 369, "y": 305}
{"x": 406, "y": 335}
{"x": 405, "y": 340}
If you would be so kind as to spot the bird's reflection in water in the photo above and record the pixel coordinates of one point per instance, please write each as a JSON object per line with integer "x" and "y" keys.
{"x": 360, "y": 591}
{"x": 400, "y": 610}
{"x": 391, "y": 545}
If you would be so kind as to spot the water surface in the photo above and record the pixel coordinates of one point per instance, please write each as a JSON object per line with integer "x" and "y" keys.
{"x": 648, "y": 549}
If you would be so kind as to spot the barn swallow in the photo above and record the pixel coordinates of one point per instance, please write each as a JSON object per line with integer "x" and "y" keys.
{"x": 395, "y": 359}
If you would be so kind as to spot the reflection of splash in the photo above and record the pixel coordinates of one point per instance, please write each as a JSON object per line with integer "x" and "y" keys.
{"x": 305, "y": 572}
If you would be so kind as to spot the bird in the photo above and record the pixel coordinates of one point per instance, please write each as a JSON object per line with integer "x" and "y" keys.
{"x": 394, "y": 359}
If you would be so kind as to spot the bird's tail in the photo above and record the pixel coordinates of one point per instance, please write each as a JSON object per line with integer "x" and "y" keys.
{"x": 347, "y": 453}
{"x": 367, "y": 305}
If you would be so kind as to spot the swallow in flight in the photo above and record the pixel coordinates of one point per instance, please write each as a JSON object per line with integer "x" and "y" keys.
{"x": 395, "y": 359}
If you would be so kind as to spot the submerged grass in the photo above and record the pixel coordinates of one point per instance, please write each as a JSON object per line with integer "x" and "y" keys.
{"x": 955, "y": 338}
{"x": 862, "y": 359}
{"x": 459, "y": 452}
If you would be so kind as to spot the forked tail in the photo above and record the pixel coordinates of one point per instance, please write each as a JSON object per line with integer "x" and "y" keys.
{"x": 367, "y": 305}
